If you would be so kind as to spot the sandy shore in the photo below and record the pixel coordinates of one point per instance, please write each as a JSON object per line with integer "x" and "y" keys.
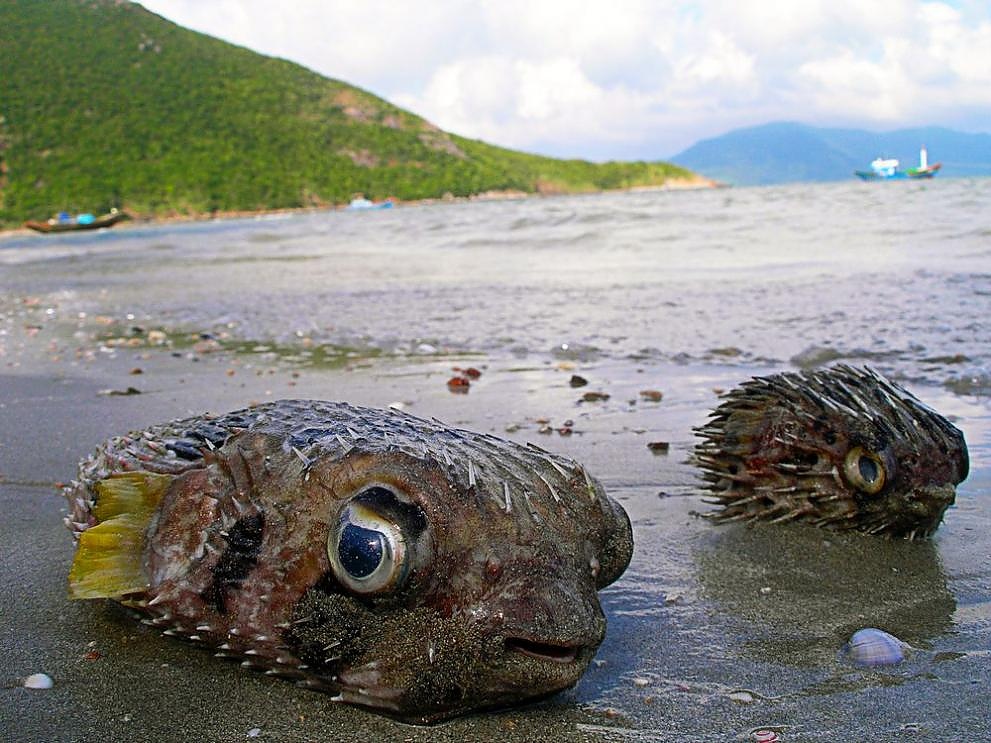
{"x": 675, "y": 184}
{"x": 713, "y": 632}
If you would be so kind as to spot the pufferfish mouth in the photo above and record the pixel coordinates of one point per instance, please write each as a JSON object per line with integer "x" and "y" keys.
{"x": 554, "y": 653}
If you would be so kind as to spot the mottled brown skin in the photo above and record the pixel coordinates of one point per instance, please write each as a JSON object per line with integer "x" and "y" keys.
{"x": 507, "y": 546}
{"x": 843, "y": 448}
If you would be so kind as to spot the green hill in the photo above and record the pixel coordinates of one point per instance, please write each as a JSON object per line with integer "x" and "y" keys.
{"x": 103, "y": 103}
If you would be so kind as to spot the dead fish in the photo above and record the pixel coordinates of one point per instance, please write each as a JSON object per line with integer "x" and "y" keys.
{"x": 843, "y": 448}
{"x": 396, "y": 563}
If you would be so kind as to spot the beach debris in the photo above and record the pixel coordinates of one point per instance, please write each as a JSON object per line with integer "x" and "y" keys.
{"x": 814, "y": 356}
{"x": 577, "y": 381}
{"x": 458, "y": 385}
{"x": 254, "y": 733}
{"x": 595, "y": 396}
{"x": 136, "y": 370}
{"x": 765, "y": 736}
{"x": 38, "y": 681}
{"x": 742, "y": 696}
{"x": 225, "y": 504}
{"x": 471, "y": 372}
{"x": 843, "y": 448}
{"x": 640, "y": 682}
{"x": 871, "y": 647}
{"x": 120, "y": 393}
{"x": 652, "y": 395}
{"x": 659, "y": 447}
{"x": 206, "y": 345}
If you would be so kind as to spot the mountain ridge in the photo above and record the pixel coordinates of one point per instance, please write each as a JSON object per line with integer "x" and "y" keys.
{"x": 787, "y": 152}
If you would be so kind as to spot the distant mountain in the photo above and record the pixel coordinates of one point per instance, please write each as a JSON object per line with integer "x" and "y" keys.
{"x": 103, "y": 103}
{"x": 786, "y": 152}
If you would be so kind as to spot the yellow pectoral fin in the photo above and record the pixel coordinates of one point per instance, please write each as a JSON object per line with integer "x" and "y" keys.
{"x": 109, "y": 559}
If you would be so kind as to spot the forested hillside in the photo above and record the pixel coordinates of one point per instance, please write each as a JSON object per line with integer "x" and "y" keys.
{"x": 103, "y": 103}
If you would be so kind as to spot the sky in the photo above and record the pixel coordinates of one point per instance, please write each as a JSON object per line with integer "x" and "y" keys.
{"x": 631, "y": 79}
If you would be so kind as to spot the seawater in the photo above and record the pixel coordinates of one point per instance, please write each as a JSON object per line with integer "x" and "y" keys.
{"x": 897, "y": 275}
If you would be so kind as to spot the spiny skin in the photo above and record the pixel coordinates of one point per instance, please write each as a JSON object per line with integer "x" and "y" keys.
{"x": 506, "y": 546}
{"x": 843, "y": 448}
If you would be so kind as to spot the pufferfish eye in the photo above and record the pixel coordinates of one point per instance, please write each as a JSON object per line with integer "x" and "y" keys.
{"x": 368, "y": 549}
{"x": 864, "y": 470}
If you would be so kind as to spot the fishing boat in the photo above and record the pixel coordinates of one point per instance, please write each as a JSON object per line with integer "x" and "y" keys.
{"x": 362, "y": 204}
{"x": 885, "y": 169}
{"x": 64, "y": 222}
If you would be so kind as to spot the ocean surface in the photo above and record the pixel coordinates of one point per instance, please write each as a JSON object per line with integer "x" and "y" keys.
{"x": 714, "y": 632}
{"x": 897, "y": 275}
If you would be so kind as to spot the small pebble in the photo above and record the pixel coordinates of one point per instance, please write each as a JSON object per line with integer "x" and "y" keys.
{"x": 458, "y": 385}
{"x": 743, "y": 697}
{"x": 577, "y": 381}
{"x": 38, "y": 681}
{"x": 652, "y": 395}
{"x": 641, "y": 682}
{"x": 595, "y": 396}
{"x": 254, "y": 732}
{"x": 659, "y": 447}
{"x": 120, "y": 393}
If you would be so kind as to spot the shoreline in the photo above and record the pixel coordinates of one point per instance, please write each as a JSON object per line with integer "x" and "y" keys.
{"x": 696, "y": 183}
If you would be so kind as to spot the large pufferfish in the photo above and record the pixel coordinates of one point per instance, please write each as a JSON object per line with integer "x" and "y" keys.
{"x": 842, "y": 448}
{"x": 396, "y": 563}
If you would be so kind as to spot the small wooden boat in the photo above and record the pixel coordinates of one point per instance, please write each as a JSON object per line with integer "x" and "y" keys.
{"x": 65, "y": 223}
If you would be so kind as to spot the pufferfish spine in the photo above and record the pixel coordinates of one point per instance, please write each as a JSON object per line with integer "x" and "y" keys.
{"x": 393, "y": 562}
{"x": 842, "y": 448}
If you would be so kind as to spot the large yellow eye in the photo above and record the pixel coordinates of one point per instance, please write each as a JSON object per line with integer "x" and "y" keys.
{"x": 864, "y": 470}
{"x": 367, "y": 549}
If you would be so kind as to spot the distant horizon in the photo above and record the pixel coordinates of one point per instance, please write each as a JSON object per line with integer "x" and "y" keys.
{"x": 638, "y": 83}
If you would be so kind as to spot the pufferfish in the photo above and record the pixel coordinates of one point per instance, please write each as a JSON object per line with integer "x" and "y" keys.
{"x": 396, "y": 563}
{"x": 843, "y": 448}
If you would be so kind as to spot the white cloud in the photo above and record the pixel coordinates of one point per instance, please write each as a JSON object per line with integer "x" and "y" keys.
{"x": 632, "y": 78}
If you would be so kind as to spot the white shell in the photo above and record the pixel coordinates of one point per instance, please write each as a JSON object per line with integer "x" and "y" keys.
{"x": 38, "y": 681}
{"x": 873, "y": 647}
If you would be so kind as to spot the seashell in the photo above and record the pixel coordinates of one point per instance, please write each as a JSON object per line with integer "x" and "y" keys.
{"x": 873, "y": 647}
{"x": 38, "y": 681}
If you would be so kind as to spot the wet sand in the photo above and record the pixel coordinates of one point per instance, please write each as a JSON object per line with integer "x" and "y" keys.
{"x": 713, "y": 632}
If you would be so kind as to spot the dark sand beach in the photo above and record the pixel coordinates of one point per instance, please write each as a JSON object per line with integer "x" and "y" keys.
{"x": 714, "y": 632}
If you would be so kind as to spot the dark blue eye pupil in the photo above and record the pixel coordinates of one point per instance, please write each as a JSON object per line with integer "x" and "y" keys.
{"x": 361, "y": 550}
{"x": 868, "y": 469}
